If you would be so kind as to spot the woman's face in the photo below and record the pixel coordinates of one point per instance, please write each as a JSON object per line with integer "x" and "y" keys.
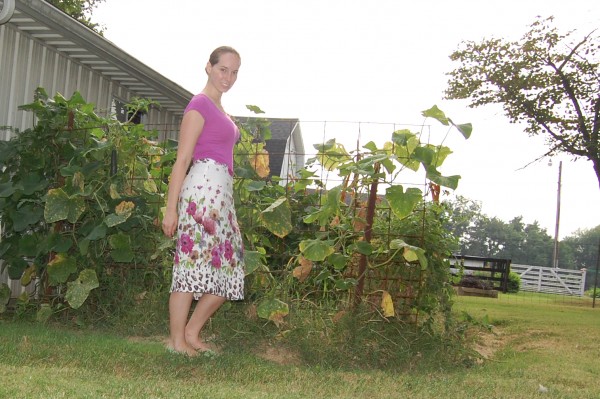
{"x": 224, "y": 73}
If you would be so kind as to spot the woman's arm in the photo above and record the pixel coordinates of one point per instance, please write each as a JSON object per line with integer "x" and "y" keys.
{"x": 191, "y": 128}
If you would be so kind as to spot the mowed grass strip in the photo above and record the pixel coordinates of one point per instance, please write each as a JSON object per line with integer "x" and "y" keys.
{"x": 534, "y": 349}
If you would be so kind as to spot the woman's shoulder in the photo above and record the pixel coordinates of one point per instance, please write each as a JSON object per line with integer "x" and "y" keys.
{"x": 199, "y": 103}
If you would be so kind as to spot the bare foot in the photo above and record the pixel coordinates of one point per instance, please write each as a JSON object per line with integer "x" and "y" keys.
{"x": 184, "y": 349}
{"x": 201, "y": 346}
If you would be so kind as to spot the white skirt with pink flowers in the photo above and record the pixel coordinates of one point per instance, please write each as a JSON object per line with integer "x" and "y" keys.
{"x": 209, "y": 257}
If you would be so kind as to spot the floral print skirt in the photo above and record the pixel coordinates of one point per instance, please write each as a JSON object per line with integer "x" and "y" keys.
{"x": 210, "y": 255}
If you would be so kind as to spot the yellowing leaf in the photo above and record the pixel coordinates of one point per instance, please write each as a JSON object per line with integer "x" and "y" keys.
{"x": 114, "y": 192}
{"x": 260, "y": 163}
{"x": 27, "y": 276}
{"x": 410, "y": 255}
{"x": 124, "y": 208}
{"x": 387, "y": 304}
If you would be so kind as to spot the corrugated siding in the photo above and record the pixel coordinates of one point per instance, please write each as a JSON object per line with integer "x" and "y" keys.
{"x": 25, "y": 64}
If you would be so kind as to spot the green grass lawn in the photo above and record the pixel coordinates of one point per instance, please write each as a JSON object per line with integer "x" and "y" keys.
{"x": 530, "y": 344}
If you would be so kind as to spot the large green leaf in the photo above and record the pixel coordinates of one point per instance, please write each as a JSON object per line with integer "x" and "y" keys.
{"x": 113, "y": 219}
{"x": 435, "y": 113}
{"x": 28, "y": 245}
{"x": 123, "y": 255}
{"x": 255, "y": 185}
{"x": 316, "y": 250}
{"x": 7, "y": 189}
{"x": 79, "y": 290}
{"x": 60, "y": 206}
{"x": 121, "y": 248}
{"x": 32, "y": 183}
{"x": 446, "y": 181}
{"x": 331, "y": 154}
{"x": 330, "y": 207}
{"x": 464, "y": 128}
{"x": 273, "y": 309}
{"x": 252, "y": 261}
{"x": 403, "y": 203}
{"x": 98, "y": 232}
{"x": 278, "y": 217}
{"x": 16, "y": 267}
{"x": 26, "y": 216}
{"x": 60, "y": 268}
{"x": 338, "y": 260}
{"x": 363, "y": 247}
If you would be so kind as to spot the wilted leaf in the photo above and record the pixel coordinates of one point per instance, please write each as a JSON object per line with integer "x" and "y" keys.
{"x": 124, "y": 208}
{"x": 28, "y": 275}
{"x": 410, "y": 253}
{"x": 302, "y": 272}
{"x": 113, "y": 192}
{"x": 260, "y": 163}
{"x": 387, "y": 305}
{"x": 78, "y": 181}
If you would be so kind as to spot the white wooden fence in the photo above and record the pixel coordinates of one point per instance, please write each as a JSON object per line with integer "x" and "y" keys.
{"x": 550, "y": 280}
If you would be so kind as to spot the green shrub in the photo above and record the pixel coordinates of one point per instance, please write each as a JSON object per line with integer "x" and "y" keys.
{"x": 514, "y": 282}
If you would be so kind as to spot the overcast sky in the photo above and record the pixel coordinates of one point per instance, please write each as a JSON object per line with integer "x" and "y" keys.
{"x": 365, "y": 61}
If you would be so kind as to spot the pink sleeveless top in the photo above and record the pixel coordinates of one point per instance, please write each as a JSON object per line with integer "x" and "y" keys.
{"x": 219, "y": 134}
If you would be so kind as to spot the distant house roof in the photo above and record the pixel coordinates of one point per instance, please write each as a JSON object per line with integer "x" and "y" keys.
{"x": 278, "y": 146}
{"x": 56, "y": 29}
{"x": 285, "y": 147}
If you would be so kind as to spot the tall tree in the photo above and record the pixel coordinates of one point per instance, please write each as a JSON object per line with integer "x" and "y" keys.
{"x": 481, "y": 235}
{"x": 545, "y": 80}
{"x": 81, "y": 10}
{"x": 580, "y": 250}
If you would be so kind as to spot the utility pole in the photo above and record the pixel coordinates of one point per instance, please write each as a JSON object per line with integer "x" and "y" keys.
{"x": 555, "y": 253}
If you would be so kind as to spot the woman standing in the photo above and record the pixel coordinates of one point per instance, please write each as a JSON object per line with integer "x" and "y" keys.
{"x": 208, "y": 264}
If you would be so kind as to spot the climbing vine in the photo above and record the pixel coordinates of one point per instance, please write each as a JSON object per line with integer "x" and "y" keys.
{"x": 81, "y": 197}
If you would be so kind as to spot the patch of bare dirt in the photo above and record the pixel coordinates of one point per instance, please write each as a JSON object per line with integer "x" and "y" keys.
{"x": 278, "y": 354}
{"x": 487, "y": 343}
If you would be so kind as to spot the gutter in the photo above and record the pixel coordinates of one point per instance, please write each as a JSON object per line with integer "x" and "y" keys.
{"x": 8, "y": 9}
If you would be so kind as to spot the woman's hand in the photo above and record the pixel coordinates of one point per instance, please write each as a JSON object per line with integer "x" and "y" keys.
{"x": 169, "y": 223}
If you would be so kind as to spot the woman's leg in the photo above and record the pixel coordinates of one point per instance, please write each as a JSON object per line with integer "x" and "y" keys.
{"x": 206, "y": 306}
{"x": 179, "y": 309}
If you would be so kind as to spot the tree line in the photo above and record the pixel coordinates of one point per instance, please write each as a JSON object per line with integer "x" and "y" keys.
{"x": 481, "y": 235}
